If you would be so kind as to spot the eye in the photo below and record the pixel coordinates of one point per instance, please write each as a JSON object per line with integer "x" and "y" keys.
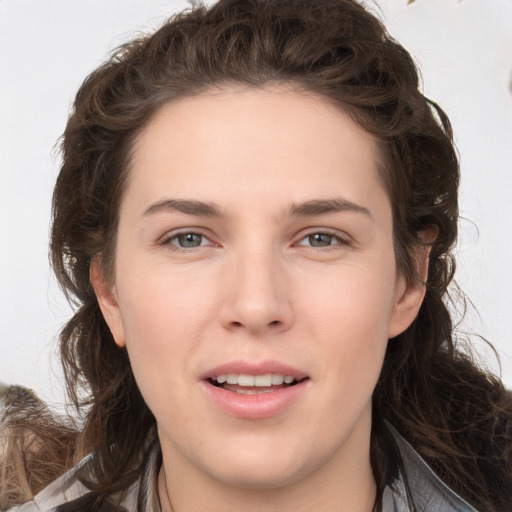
{"x": 322, "y": 239}
{"x": 188, "y": 240}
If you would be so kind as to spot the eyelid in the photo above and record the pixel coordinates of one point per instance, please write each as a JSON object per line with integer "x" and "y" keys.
{"x": 342, "y": 237}
{"x": 166, "y": 239}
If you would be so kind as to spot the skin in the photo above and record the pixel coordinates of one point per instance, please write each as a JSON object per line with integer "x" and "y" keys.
{"x": 259, "y": 286}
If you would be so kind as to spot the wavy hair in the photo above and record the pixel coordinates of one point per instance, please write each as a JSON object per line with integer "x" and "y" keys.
{"x": 35, "y": 446}
{"x": 457, "y": 416}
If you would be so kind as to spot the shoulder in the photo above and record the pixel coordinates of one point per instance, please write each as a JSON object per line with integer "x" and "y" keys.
{"x": 419, "y": 486}
{"x": 63, "y": 490}
{"x": 69, "y": 493}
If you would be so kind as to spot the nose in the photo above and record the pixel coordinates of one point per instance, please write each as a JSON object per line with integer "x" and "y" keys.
{"x": 256, "y": 294}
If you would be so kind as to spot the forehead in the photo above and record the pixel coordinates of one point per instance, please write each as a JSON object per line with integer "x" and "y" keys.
{"x": 274, "y": 143}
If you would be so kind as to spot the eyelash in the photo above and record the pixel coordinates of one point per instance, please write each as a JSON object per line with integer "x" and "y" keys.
{"x": 167, "y": 241}
{"x": 340, "y": 240}
{"x": 335, "y": 236}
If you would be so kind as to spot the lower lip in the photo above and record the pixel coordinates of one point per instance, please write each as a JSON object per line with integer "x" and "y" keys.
{"x": 255, "y": 407}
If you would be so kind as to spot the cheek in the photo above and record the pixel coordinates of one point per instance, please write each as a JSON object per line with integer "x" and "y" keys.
{"x": 166, "y": 312}
{"x": 159, "y": 303}
{"x": 352, "y": 348}
{"x": 159, "y": 341}
{"x": 349, "y": 319}
{"x": 356, "y": 301}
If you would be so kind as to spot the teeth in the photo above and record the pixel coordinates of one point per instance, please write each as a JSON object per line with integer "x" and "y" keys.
{"x": 232, "y": 378}
{"x": 277, "y": 380}
{"x": 262, "y": 380}
{"x": 245, "y": 380}
{"x": 267, "y": 380}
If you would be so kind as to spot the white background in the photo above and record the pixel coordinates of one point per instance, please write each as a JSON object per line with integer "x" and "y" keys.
{"x": 47, "y": 47}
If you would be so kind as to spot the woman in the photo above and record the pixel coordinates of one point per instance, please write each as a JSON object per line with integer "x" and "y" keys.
{"x": 254, "y": 216}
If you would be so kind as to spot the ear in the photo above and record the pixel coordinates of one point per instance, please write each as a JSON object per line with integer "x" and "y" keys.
{"x": 409, "y": 295}
{"x": 107, "y": 299}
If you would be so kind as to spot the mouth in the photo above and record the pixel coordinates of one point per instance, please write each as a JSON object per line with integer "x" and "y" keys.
{"x": 246, "y": 384}
{"x": 252, "y": 390}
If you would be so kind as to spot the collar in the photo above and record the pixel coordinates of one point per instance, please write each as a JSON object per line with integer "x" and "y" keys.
{"x": 415, "y": 487}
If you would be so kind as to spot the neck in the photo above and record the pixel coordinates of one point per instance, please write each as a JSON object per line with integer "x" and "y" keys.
{"x": 345, "y": 483}
{"x": 341, "y": 499}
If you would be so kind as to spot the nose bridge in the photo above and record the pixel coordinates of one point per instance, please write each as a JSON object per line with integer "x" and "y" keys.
{"x": 256, "y": 295}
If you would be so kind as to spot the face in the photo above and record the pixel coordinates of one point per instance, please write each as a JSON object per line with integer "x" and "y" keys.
{"x": 255, "y": 284}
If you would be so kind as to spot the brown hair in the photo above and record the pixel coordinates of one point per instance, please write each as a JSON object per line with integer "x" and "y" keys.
{"x": 35, "y": 446}
{"x": 457, "y": 416}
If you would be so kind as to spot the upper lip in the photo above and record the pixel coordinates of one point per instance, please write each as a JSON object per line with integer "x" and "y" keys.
{"x": 254, "y": 368}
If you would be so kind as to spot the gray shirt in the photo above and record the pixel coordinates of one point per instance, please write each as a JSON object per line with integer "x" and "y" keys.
{"x": 416, "y": 488}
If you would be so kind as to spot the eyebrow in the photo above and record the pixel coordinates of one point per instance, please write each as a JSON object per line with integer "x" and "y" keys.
{"x": 326, "y": 206}
{"x": 208, "y": 209}
{"x": 188, "y": 206}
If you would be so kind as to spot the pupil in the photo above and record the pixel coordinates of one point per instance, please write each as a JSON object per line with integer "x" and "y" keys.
{"x": 190, "y": 240}
{"x": 320, "y": 240}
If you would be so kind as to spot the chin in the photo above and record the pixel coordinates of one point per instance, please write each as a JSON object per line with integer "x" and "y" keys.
{"x": 259, "y": 467}
{"x": 268, "y": 476}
